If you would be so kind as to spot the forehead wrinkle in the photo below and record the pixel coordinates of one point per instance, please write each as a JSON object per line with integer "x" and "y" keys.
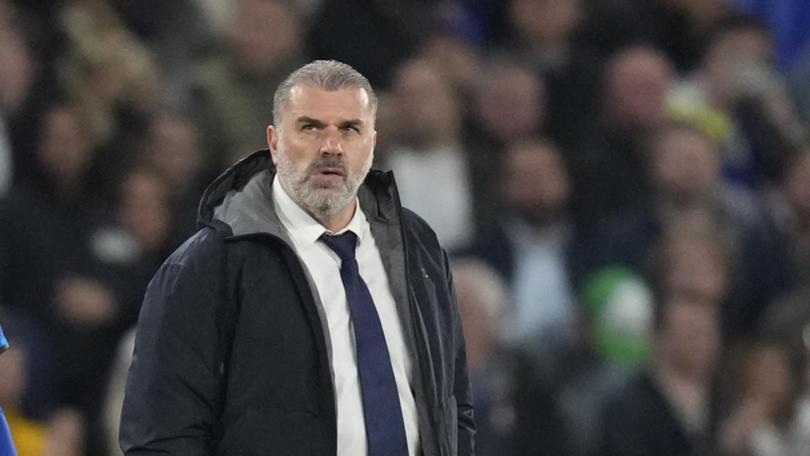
{"x": 323, "y": 100}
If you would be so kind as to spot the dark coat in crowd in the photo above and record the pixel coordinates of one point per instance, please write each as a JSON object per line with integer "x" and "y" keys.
{"x": 640, "y": 421}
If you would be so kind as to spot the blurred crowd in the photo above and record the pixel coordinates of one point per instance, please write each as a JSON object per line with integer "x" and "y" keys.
{"x": 623, "y": 187}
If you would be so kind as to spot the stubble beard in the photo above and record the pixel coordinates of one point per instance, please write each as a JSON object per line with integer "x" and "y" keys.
{"x": 323, "y": 203}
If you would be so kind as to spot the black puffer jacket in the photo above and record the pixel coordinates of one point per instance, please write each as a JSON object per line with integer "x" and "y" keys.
{"x": 231, "y": 355}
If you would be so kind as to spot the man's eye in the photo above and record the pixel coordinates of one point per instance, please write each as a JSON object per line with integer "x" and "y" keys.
{"x": 309, "y": 127}
{"x": 351, "y": 128}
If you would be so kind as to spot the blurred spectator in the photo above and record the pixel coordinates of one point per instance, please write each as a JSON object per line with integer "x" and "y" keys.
{"x": 769, "y": 418}
{"x": 232, "y": 94}
{"x": 107, "y": 72}
{"x": 144, "y": 214}
{"x": 431, "y": 165}
{"x": 544, "y": 39}
{"x": 373, "y": 36}
{"x": 787, "y": 321}
{"x": 17, "y": 73}
{"x": 481, "y": 298}
{"x": 693, "y": 259}
{"x": 686, "y": 185}
{"x": 530, "y": 246}
{"x": 508, "y": 105}
{"x": 612, "y": 341}
{"x": 515, "y": 410}
{"x": 27, "y": 87}
{"x": 609, "y": 165}
{"x": 615, "y": 317}
{"x": 685, "y": 172}
{"x": 144, "y": 210}
{"x": 461, "y": 62}
{"x": 173, "y": 149}
{"x": 16, "y": 77}
{"x": 791, "y": 207}
{"x": 675, "y": 27}
{"x": 63, "y": 263}
{"x": 176, "y": 36}
{"x": 670, "y": 408}
{"x": 543, "y": 29}
{"x": 738, "y": 95}
{"x": 61, "y": 435}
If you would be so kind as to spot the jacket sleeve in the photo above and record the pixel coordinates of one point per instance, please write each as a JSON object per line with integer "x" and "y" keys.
{"x": 462, "y": 390}
{"x": 174, "y": 386}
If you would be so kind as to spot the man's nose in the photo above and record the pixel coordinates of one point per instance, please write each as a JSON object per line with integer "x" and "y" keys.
{"x": 330, "y": 143}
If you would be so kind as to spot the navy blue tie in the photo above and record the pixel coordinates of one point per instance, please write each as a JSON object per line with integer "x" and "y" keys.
{"x": 385, "y": 430}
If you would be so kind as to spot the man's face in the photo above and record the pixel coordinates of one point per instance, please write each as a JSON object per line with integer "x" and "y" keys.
{"x": 638, "y": 82}
{"x": 264, "y": 35}
{"x": 685, "y": 165}
{"x": 689, "y": 340}
{"x": 324, "y": 147}
{"x": 535, "y": 183}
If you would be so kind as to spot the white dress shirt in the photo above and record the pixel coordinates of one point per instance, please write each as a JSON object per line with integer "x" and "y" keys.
{"x": 324, "y": 269}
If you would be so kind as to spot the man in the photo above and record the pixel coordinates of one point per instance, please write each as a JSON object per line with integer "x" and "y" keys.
{"x": 671, "y": 407}
{"x": 258, "y": 336}
{"x": 533, "y": 247}
{"x": 6, "y": 444}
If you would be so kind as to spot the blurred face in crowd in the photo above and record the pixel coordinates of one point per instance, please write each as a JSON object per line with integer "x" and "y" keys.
{"x": 457, "y": 57}
{"x": 767, "y": 379}
{"x": 637, "y": 84}
{"x": 264, "y": 35}
{"x": 144, "y": 209}
{"x": 323, "y": 148}
{"x": 427, "y": 104}
{"x": 688, "y": 340}
{"x": 16, "y": 70}
{"x": 64, "y": 150}
{"x": 510, "y": 103}
{"x": 173, "y": 149}
{"x": 729, "y": 55}
{"x": 685, "y": 165}
{"x": 536, "y": 185}
{"x": 696, "y": 268}
{"x": 542, "y": 22}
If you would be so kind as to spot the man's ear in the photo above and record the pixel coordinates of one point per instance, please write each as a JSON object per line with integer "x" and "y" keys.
{"x": 272, "y": 141}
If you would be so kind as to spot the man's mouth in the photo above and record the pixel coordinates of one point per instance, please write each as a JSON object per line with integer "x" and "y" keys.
{"x": 332, "y": 171}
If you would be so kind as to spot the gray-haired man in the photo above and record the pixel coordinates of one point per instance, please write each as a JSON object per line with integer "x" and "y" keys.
{"x": 311, "y": 314}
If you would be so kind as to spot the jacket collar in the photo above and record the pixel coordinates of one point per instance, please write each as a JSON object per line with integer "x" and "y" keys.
{"x": 241, "y": 198}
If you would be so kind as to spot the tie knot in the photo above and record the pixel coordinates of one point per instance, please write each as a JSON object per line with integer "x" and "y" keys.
{"x": 343, "y": 244}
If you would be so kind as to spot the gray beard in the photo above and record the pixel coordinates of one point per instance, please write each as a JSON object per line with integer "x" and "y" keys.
{"x": 323, "y": 204}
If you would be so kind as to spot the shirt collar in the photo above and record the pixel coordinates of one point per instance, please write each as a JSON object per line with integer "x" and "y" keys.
{"x": 303, "y": 227}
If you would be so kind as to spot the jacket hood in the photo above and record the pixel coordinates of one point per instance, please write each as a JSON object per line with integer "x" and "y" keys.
{"x": 241, "y": 197}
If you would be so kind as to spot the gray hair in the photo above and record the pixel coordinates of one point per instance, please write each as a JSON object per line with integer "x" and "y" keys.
{"x": 328, "y": 75}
